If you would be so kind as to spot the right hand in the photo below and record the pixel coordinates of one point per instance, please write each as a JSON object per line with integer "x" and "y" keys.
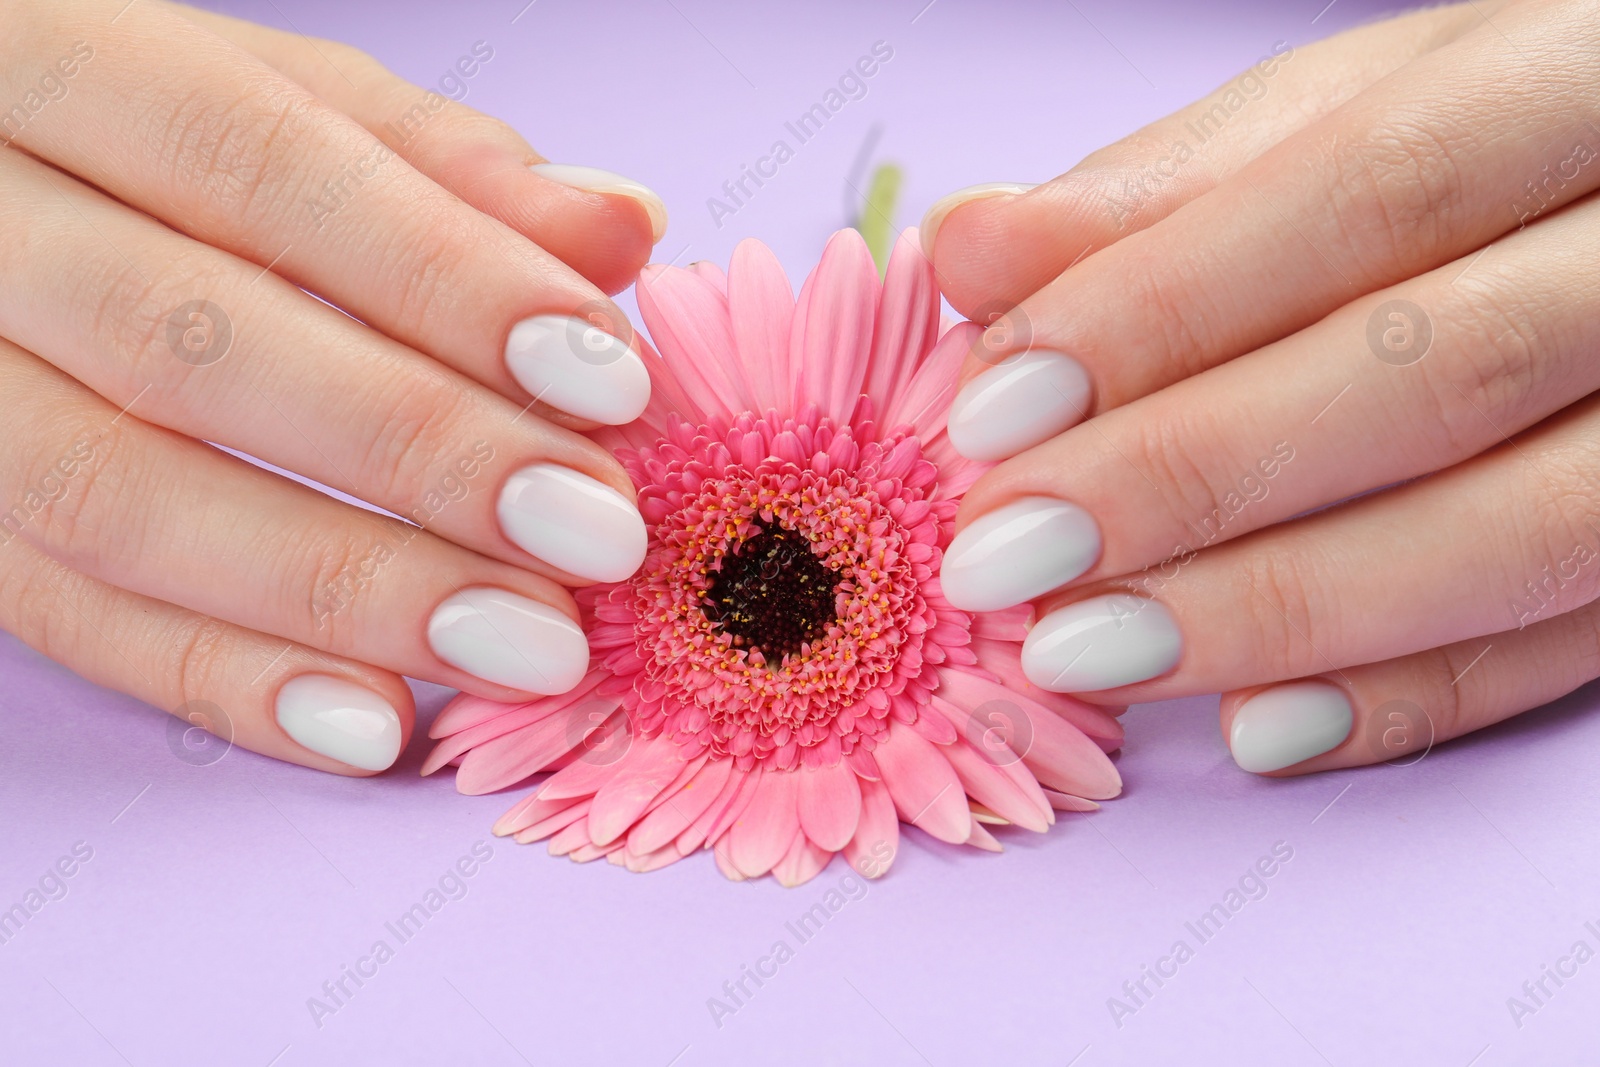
{"x": 173, "y": 185}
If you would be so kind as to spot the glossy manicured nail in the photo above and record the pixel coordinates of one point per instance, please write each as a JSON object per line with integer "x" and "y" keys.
{"x": 509, "y": 640}
{"x": 340, "y": 720}
{"x": 1017, "y": 404}
{"x": 571, "y": 364}
{"x": 1286, "y": 724}
{"x": 595, "y": 180}
{"x": 1018, "y": 552}
{"x": 572, "y": 521}
{"x": 1100, "y": 644}
{"x": 931, "y": 222}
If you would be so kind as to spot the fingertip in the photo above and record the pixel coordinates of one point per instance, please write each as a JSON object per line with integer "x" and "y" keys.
{"x": 609, "y": 183}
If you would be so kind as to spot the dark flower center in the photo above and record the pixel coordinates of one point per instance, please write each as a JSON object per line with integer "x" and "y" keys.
{"x": 772, "y": 593}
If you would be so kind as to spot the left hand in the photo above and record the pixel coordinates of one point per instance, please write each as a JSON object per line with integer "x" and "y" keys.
{"x": 1398, "y": 290}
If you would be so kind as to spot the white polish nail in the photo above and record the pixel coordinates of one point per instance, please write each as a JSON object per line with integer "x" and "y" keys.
{"x": 571, "y": 364}
{"x": 1100, "y": 644}
{"x": 509, "y": 640}
{"x": 946, "y": 204}
{"x": 596, "y": 180}
{"x": 1286, "y": 724}
{"x": 1022, "y": 402}
{"x": 572, "y": 521}
{"x": 1018, "y": 552}
{"x": 340, "y": 720}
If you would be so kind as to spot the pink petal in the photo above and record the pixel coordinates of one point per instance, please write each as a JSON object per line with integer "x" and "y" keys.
{"x": 803, "y": 862}
{"x": 877, "y": 839}
{"x": 1003, "y": 660}
{"x": 762, "y": 305}
{"x": 545, "y": 827}
{"x": 982, "y": 838}
{"x": 908, "y": 321}
{"x": 1067, "y": 802}
{"x": 1058, "y": 753}
{"x": 626, "y": 796}
{"x": 512, "y": 717}
{"x": 831, "y": 340}
{"x": 711, "y": 273}
{"x": 527, "y": 811}
{"x": 924, "y": 786}
{"x": 830, "y": 805}
{"x": 748, "y": 783}
{"x": 992, "y": 787}
{"x": 651, "y": 861}
{"x": 466, "y": 711}
{"x": 528, "y": 750}
{"x": 584, "y": 777}
{"x": 691, "y": 327}
{"x": 925, "y": 403}
{"x": 761, "y": 835}
{"x": 725, "y": 865}
{"x": 667, "y": 820}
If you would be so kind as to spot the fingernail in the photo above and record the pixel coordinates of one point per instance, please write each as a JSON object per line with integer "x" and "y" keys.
{"x": 1021, "y": 402}
{"x": 509, "y": 640}
{"x": 1100, "y": 644}
{"x": 1017, "y": 552}
{"x": 946, "y": 204}
{"x": 571, "y": 364}
{"x": 340, "y": 720}
{"x": 1286, "y": 724}
{"x": 595, "y": 180}
{"x": 572, "y": 521}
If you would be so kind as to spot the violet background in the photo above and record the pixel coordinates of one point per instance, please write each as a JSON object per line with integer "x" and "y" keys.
{"x": 220, "y": 897}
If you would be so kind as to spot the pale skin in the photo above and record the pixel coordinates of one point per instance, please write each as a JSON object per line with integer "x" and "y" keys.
{"x": 1219, "y": 304}
{"x": 1221, "y": 309}
{"x": 165, "y": 155}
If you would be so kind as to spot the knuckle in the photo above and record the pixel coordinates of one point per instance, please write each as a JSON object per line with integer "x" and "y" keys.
{"x": 238, "y": 152}
{"x": 1566, "y": 521}
{"x": 200, "y": 646}
{"x": 1494, "y": 363}
{"x": 1290, "y": 629}
{"x": 325, "y": 574}
{"x": 1446, "y": 690}
{"x": 1399, "y": 188}
{"x": 1170, "y": 445}
{"x": 427, "y": 261}
{"x": 1154, "y": 329}
{"x": 128, "y": 312}
{"x": 420, "y": 422}
{"x": 70, "y": 494}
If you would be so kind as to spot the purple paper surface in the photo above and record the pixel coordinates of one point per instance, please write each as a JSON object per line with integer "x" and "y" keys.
{"x": 223, "y": 889}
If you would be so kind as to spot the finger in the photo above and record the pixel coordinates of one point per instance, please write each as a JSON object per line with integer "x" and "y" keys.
{"x": 1319, "y": 417}
{"x": 167, "y": 517}
{"x": 994, "y": 249}
{"x": 600, "y": 224}
{"x": 172, "y": 120}
{"x": 1426, "y": 166}
{"x": 1501, "y": 540}
{"x": 108, "y": 295}
{"x": 1400, "y": 708}
{"x": 282, "y": 700}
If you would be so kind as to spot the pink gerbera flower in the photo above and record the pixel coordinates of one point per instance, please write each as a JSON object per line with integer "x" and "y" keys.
{"x": 783, "y": 680}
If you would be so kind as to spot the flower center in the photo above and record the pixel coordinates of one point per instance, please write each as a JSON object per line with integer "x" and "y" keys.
{"x": 772, "y": 593}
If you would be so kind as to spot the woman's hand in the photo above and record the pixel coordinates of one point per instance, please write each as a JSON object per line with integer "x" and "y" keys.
{"x": 1370, "y": 264}
{"x": 174, "y": 185}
